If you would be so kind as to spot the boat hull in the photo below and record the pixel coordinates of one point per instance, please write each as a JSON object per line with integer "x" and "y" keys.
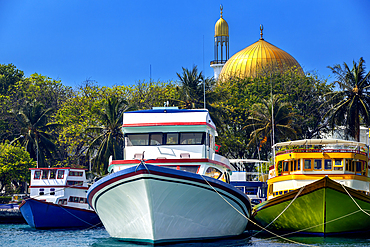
{"x": 156, "y": 204}
{"x": 321, "y": 208}
{"x": 45, "y": 215}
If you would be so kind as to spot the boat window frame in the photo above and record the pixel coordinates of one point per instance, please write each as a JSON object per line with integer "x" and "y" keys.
{"x": 43, "y": 172}
{"x": 321, "y": 166}
{"x": 39, "y": 174}
{"x": 51, "y": 173}
{"x": 331, "y": 164}
{"x": 337, "y": 166}
{"x": 304, "y": 165}
{"x": 212, "y": 167}
{"x": 62, "y": 174}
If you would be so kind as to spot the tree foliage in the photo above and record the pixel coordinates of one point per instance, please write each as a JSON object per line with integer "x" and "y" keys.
{"x": 34, "y": 131}
{"x": 109, "y": 139}
{"x": 15, "y": 162}
{"x": 353, "y": 99}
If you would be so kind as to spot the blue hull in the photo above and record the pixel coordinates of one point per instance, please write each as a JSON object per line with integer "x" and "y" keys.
{"x": 44, "y": 215}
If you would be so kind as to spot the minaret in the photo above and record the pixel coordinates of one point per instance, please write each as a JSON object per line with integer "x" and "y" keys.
{"x": 221, "y": 53}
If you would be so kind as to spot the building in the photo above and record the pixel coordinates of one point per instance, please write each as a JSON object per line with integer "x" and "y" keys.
{"x": 258, "y": 58}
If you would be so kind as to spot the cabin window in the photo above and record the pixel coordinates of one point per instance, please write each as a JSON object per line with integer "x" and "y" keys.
{"x": 74, "y": 173}
{"x": 172, "y": 139}
{"x": 285, "y": 166}
{"x": 76, "y": 199}
{"x": 358, "y": 167}
{"x": 317, "y": 164}
{"x": 308, "y": 164}
{"x": 156, "y": 139}
{"x": 60, "y": 174}
{"x": 327, "y": 164}
{"x": 192, "y": 169}
{"x": 80, "y": 183}
{"x": 213, "y": 172}
{"x": 62, "y": 201}
{"x": 299, "y": 165}
{"x": 251, "y": 190}
{"x": 291, "y": 165}
{"x": 338, "y": 165}
{"x": 45, "y": 174}
{"x": 191, "y": 138}
{"x": 37, "y": 174}
{"x": 52, "y": 174}
{"x": 137, "y": 139}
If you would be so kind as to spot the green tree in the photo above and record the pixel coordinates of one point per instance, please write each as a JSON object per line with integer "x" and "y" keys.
{"x": 109, "y": 139}
{"x": 271, "y": 121}
{"x": 15, "y": 162}
{"x": 34, "y": 136}
{"x": 353, "y": 99}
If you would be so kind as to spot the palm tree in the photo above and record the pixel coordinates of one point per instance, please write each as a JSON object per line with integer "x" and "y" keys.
{"x": 34, "y": 136}
{"x": 353, "y": 100}
{"x": 262, "y": 125}
{"x": 195, "y": 88}
{"x": 109, "y": 141}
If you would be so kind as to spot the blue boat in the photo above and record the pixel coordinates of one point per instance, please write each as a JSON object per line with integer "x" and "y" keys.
{"x": 249, "y": 178}
{"x": 58, "y": 200}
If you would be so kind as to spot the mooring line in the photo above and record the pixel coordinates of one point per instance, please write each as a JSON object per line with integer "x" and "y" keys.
{"x": 286, "y": 239}
{"x": 299, "y": 192}
{"x": 354, "y": 200}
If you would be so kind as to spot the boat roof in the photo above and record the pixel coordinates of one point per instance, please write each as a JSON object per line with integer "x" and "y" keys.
{"x": 320, "y": 142}
{"x": 167, "y": 116}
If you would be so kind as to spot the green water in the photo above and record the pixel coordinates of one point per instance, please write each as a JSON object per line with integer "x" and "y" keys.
{"x": 24, "y": 235}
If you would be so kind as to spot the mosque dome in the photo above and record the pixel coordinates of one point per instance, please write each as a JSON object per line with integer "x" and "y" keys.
{"x": 256, "y": 58}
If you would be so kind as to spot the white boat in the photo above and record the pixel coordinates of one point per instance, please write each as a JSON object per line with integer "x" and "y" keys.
{"x": 180, "y": 191}
{"x": 58, "y": 199}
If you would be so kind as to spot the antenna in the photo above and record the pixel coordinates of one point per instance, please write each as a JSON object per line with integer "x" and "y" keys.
{"x": 204, "y": 82}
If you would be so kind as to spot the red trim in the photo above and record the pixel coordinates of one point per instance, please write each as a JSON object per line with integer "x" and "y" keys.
{"x": 59, "y": 186}
{"x": 167, "y": 124}
{"x": 164, "y": 161}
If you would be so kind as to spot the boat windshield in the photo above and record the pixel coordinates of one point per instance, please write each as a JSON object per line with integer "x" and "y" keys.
{"x": 154, "y": 139}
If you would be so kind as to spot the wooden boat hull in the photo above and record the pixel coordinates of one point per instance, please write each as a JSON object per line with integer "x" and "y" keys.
{"x": 321, "y": 208}
{"x": 156, "y": 204}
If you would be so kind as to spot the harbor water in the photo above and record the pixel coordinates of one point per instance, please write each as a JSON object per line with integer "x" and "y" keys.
{"x": 24, "y": 235}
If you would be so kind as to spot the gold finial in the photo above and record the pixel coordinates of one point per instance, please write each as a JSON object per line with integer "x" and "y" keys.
{"x": 261, "y": 28}
{"x": 221, "y": 8}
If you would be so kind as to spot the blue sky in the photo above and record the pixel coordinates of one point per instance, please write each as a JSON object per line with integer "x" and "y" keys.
{"x": 121, "y": 42}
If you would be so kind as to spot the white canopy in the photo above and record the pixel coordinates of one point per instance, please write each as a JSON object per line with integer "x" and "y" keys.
{"x": 320, "y": 142}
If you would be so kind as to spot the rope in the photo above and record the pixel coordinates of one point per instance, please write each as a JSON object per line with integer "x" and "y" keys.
{"x": 299, "y": 192}
{"x": 354, "y": 200}
{"x": 286, "y": 239}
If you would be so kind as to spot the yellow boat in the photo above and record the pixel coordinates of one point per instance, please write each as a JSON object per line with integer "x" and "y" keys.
{"x": 318, "y": 187}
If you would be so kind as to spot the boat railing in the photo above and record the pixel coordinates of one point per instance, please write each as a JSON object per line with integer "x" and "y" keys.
{"x": 310, "y": 150}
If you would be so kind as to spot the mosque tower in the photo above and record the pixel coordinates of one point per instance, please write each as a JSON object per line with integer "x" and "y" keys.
{"x": 221, "y": 46}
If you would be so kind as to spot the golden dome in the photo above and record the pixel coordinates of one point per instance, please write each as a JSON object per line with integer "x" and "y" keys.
{"x": 256, "y": 58}
{"x": 221, "y": 27}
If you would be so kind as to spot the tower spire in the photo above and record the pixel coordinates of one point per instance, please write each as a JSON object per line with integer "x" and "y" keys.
{"x": 221, "y": 45}
{"x": 261, "y": 28}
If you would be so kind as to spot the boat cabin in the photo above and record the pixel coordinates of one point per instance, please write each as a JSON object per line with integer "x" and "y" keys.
{"x": 300, "y": 162}
{"x": 182, "y": 139}
{"x": 64, "y": 186}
